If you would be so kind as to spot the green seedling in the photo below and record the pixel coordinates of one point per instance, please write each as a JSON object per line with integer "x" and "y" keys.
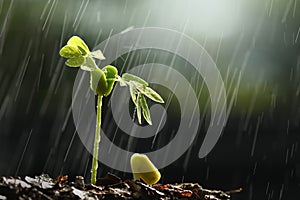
{"x": 102, "y": 82}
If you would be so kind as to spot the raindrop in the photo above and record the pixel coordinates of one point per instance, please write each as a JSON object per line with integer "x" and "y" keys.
{"x": 287, "y": 10}
{"x": 53, "y": 5}
{"x": 297, "y": 35}
{"x": 255, "y": 135}
{"x": 295, "y": 8}
{"x": 271, "y": 8}
{"x": 207, "y": 173}
{"x": 254, "y": 168}
{"x": 281, "y": 192}
{"x": 81, "y": 15}
{"x": 69, "y": 147}
{"x": 44, "y": 10}
{"x": 23, "y": 153}
{"x": 98, "y": 16}
{"x": 63, "y": 30}
{"x": 40, "y": 71}
{"x": 287, "y": 155}
{"x": 219, "y": 47}
{"x": 5, "y": 26}
{"x": 78, "y": 13}
{"x": 98, "y": 37}
{"x": 4, "y": 106}
{"x": 267, "y": 189}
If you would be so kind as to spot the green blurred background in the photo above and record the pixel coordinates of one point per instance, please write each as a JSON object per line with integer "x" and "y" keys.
{"x": 255, "y": 44}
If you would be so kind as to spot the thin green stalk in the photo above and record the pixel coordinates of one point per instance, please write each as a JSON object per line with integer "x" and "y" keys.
{"x": 96, "y": 141}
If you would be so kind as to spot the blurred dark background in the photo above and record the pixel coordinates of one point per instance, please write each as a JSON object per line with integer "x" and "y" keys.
{"x": 255, "y": 44}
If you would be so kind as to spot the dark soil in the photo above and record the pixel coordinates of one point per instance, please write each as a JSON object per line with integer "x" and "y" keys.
{"x": 109, "y": 187}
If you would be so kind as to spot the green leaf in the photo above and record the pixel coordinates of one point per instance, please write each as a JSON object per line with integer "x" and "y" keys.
{"x": 98, "y": 81}
{"x": 110, "y": 72}
{"x": 150, "y": 93}
{"x": 89, "y": 64}
{"x": 138, "y": 109}
{"x": 145, "y": 108}
{"x": 97, "y": 54}
{"x": 133, "y": 93}
{"x": 78, "y": 42}
{"x": 75, "y": 62}
{"x": 130, "y": 77}
{"x": 69, "y": 51}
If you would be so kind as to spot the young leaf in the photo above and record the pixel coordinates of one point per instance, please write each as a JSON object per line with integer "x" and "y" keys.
{"x": 129, "y": 77}
{"x": 75, "y": 62}
{"x": 69, "y": 51}
{"x": 97, "y": 54}
{"x": 133, "y": 93}
{"x": 89, "y": 64}
{"x": 145, "y": 108}
{"x": 78, "y": 42}
{"x": 98, "y": 81}
{"x": 110, "y": 72}
{"x": 150, "y": 93}
{"x": 138, "y": 109}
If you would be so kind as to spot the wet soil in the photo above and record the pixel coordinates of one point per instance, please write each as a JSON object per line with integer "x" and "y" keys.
{"x": 109, "y": 187}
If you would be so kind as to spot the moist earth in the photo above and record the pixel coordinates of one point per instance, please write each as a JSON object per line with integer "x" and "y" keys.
{"x": 109, "y": 187}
